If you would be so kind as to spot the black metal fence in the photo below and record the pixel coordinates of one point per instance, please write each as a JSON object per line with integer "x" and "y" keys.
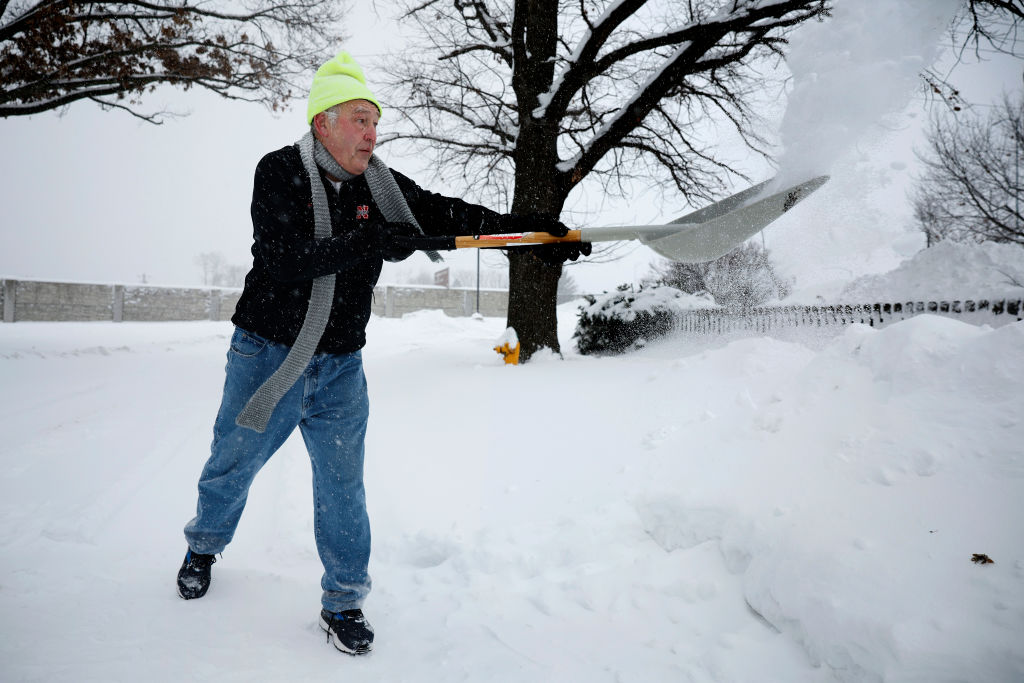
{"x": 766, "y": 319}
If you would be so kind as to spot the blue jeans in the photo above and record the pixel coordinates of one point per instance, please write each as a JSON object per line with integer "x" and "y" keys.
{"x": 329, "y": 404}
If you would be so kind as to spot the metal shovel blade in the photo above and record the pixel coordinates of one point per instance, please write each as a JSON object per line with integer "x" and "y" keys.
{"x": 715, "y": 230}
{"x": 719, "y": 234}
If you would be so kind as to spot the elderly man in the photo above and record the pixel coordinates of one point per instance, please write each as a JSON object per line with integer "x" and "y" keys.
{"x": 325, "y": 214}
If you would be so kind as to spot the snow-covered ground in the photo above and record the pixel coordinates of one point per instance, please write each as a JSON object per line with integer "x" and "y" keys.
{"x": 765, "y": 510}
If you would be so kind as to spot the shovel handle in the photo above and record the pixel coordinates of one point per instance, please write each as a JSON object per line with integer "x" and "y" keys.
{"x": 490, "y": 241}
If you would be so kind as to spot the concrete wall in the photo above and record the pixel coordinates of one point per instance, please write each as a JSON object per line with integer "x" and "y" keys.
{"x": 28, "y": 300}
{"x": 24, "y": 300}
{"x": 159, "y": 303}
{"x": 394, "y": 301}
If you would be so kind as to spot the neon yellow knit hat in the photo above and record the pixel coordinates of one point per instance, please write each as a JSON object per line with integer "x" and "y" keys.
{"x": 337, "y": 81}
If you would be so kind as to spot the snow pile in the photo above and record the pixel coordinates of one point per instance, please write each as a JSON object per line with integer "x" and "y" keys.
{"x": 627, "y": 303}
{"x": 762, "y": 511}
{"x": 947, "y": 271}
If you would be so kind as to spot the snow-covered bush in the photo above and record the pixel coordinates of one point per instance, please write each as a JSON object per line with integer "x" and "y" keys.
{"x": 629, "y": 317}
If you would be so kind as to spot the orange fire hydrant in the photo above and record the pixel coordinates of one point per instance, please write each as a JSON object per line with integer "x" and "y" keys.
{"x": 508, "y": 346}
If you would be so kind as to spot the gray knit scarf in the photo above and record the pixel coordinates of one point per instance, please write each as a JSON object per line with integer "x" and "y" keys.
{"x": 388, "y": 197}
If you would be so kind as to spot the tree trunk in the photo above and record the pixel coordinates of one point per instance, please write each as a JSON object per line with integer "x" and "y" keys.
{"x": 532, "y": 297}
{"x": 533, "y": 284}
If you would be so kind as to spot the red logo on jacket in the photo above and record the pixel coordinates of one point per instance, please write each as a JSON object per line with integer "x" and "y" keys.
{"x": 363, "y": 211}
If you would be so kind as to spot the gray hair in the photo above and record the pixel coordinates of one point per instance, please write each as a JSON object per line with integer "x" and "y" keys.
{"x": 333, "y": 113}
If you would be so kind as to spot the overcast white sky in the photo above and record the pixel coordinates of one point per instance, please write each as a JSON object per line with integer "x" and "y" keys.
{"x": 101, "y": 196}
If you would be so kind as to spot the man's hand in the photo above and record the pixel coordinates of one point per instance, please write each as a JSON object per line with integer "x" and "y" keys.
{"x": 552, "y": 254}
{"x": 556, "y": 254}
{"x": 394, "y": 240}
{"x": 533, "y": 222}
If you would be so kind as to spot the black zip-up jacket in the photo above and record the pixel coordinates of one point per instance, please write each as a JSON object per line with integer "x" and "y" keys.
{"x": 286, "y": 256}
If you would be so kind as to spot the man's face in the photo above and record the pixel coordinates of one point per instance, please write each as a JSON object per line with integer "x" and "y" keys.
{"x": 352, "y": 138}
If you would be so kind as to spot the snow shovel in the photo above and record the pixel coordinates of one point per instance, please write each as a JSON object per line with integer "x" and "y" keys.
{"x": 697, "y": 237}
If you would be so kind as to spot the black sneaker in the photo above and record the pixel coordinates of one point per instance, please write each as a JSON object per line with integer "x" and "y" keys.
{"x": 194, "y": 575}
{"x": 348, "y": 630}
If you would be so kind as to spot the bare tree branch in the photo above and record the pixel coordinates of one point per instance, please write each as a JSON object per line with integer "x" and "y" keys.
{"x": 56, "y": 52}
{"x": 701, "y": 49}
{"x": 982, "y": 25}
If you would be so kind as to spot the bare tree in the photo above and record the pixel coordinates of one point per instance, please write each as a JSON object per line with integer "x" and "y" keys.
{"x": 567, "y": 287}
{"x": 970, "y": 189}
{"x": 210, "y": 264}
{"x": 742, "y": 279}
{"x": 524, "y": 99}
{"x": 56, "y": 52}
{"x": 233, "y": 275}
{"x": 217, "y": 272}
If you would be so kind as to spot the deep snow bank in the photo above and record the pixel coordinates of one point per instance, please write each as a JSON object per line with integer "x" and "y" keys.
{"x": 947, "y": 271}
